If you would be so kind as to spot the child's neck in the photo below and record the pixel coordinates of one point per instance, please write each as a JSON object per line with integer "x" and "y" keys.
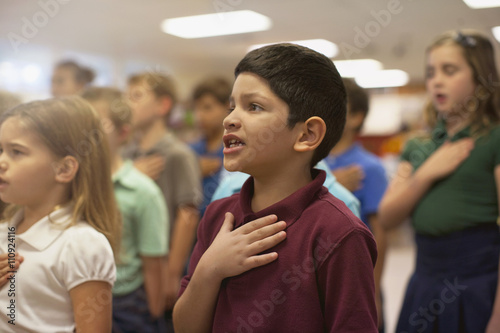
{"x": 116, "y": 162}
{"x": 271, "y": 189}
{"x": 453, "y": 127}
{"x": 33, "y": 214}
{"x": 150, "y": 135}
{"x": 345, "y": 142}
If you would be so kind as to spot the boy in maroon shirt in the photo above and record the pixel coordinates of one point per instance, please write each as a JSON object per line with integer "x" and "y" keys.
{"x": 311, "y": 271}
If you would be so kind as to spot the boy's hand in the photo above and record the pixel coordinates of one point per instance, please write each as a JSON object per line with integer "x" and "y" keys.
{"x": 350, "y": 177}
{"x": 5, "y": 267}
{"x": 446, "y": 159}
{"x": 151, "y": 165}
{"x": 234, "y": 252}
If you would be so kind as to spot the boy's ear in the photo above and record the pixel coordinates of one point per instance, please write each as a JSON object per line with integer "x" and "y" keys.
{"x": 165, "y": 103}
{"x": 311, "y": 135}
{"x": 66, "y": 169}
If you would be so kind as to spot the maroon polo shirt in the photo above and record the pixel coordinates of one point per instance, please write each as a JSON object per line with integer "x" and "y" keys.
{"x": 322, "y": 280}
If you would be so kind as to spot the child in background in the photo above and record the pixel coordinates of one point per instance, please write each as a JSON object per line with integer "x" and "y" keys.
{"x": 152, "y": 97}
{"x": 69, "y": 78}
{"x": 138, "y": 304}
{"x": 246, "y": 272}
{"x": 211, "y": 101}
{"x": 448, "y": 182}
{"x": 349, "y": 154}
{"x": 55, "y": 171}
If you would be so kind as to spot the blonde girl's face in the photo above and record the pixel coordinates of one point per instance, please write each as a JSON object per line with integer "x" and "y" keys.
{"x": 449, "y": 80}
{"x": 27, "y": 175}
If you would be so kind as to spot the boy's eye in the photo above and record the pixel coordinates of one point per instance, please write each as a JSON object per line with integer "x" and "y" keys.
{"x": 16, "y": 152}
{"x": 255, "y": 107}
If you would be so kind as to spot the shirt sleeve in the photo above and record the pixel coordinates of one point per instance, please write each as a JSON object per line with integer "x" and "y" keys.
{"x": 346, "y": 281}
{"x": 87, "y": 256}
{"x": 186, "y": 178}
{"x": 152, "y": 224}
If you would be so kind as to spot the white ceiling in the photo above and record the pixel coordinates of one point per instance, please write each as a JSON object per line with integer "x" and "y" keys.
{"x": 129, "y": 29}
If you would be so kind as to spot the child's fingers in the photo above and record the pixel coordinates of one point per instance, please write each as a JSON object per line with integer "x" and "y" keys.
{"x": 266, "y": 231}
{"x": 257, "y": 224}
{"x": 228, "y": 224}
{"x": 266, "y": 243}
{"x": 260, "y": 260}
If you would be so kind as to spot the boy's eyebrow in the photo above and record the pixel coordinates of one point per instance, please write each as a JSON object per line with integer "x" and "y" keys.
{"x": 249, "y": 96}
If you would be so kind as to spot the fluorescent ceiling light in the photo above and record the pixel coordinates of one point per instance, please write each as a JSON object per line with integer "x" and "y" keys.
{"x": 383, "y": 78}
{"x": 220, "y": 24}
{"x": 353, "y": 68}
{"x": 496, "y": 32}
{"x": 482, "y": 3}
{"x": 322, "y": 46}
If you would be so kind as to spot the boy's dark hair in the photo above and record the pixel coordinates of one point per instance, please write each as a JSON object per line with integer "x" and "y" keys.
{"x": 357, "y": 99}
{"x": 217, "y": 87}
{"x": 83, "y": 75}
{"x": 307, "y": 82}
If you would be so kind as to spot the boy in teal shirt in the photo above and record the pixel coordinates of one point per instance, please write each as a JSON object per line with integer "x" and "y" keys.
{"x": 137, "y": 301}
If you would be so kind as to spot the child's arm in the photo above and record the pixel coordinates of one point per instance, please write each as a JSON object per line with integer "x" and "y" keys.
{"x": 407, "y": 188}
{"x": 381, "y": 239}
{"x": 92, "y": 307}
{"x": 494, "y": 323}
{"x": 232, "y": 252}
{"x": 152, "y": 270}
{"x": 181, "y": 243}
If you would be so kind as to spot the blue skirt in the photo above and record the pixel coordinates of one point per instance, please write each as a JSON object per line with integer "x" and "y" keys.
{"x": 454, "y": 284}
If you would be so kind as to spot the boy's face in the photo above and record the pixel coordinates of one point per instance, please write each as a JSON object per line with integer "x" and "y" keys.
{"x": 209, "y": 113}
{"x": 64, "y": 83}
{"x": 353, "y": 121}
{"x": 146, "y": 107}
{"x": 256, "y": 136}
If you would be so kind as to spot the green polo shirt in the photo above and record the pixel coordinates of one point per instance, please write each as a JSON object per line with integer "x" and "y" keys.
{"x": 145, "y": 225}
{"x": 466, "y": 198}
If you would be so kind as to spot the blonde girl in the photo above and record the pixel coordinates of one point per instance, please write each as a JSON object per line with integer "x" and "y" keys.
{"x": 448, "y": 183}
{"x": 63, "y": 221}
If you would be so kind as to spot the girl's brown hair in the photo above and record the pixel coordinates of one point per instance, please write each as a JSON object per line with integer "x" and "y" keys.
{"x": 484, "y": 106}
{"x": 70, "y": 126}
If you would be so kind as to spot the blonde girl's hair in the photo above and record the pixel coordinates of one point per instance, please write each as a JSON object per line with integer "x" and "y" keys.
{"x": 484, "y": 105}
{"x": 70, "y": 126}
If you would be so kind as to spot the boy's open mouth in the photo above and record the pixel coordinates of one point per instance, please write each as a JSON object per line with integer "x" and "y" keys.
{"x": 234, "y": 143}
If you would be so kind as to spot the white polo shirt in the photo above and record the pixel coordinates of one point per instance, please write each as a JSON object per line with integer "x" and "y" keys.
{"x": 56, "y": 259}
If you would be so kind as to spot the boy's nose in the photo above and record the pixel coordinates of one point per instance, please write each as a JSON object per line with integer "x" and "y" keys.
{"x": 231, "y": 122}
